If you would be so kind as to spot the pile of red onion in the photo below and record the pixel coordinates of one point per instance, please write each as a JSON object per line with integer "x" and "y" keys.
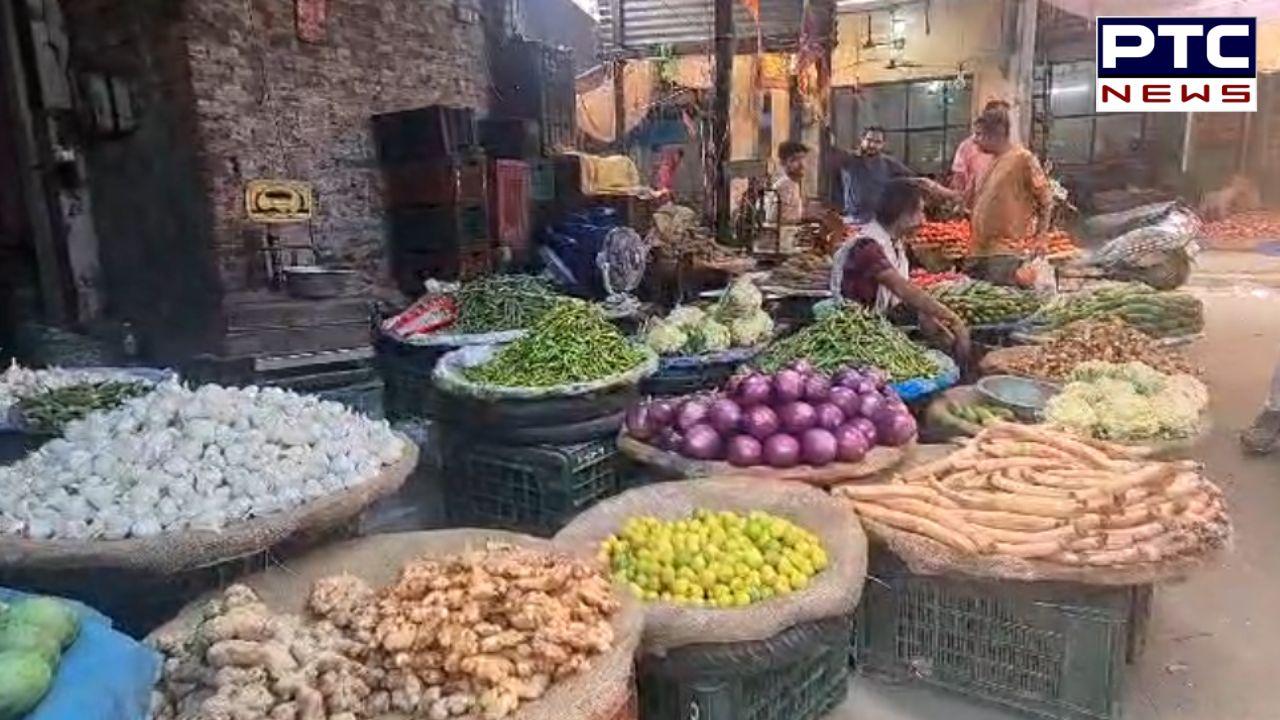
{"x": 797, "y": 416}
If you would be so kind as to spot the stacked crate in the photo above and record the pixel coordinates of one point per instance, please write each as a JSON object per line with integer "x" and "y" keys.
{"x": 437, "y": 193}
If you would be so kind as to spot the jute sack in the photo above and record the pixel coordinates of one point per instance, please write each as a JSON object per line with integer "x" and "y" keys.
{"x": 924, "y": 556}
{"x": 174, "y": 552}
{"x": 832, "y": 593}
{"x": 603, "y": 692}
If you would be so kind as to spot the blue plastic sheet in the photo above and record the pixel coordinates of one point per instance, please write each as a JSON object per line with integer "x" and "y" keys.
{"x": 917, "y": 388}
{"x": 104, "y": 675}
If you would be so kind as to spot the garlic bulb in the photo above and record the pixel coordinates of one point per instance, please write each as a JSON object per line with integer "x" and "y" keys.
{"x": 183, "y": 459}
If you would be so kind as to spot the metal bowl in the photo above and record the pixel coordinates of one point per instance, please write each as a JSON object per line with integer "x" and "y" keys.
{"x": 1024, "y": 396}
{"x": 316, "y": 283}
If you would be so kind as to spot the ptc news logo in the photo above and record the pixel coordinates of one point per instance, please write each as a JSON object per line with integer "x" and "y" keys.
{"x": 1177, "y": 65}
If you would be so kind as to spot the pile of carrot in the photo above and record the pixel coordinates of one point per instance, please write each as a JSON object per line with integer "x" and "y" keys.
{"x": 1033, "y": 493}
{"x": 1243, "y": 231}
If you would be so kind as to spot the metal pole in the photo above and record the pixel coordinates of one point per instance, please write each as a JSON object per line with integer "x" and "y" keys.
{"x": 620, "y": 104}
{"x": 720, "y": 116}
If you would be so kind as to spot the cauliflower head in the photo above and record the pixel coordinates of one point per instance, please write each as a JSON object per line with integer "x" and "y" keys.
{"x": 741, "y": 300}
{"x": 751, "y": 330}
{"x": 709, "y": 336}
{"x": 666, "y": 338}
{"x": 686, "y": 317}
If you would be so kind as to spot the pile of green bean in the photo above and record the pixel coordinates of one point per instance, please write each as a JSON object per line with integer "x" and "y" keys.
{"x": 573, "y": 343}
{"x": 50, "y": 411}
{"x": 851, "y": 336}
{"x": 503, "y": 302}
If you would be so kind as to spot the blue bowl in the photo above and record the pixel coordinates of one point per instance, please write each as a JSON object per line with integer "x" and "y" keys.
{"x": 1024, "y": 396}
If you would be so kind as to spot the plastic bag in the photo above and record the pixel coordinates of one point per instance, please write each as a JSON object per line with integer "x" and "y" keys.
{"x": 103, "y": 675}
{"x": 1044, "y": 279}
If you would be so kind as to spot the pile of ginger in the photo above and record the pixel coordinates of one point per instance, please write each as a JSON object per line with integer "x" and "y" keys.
{"x": 467, "y": 636}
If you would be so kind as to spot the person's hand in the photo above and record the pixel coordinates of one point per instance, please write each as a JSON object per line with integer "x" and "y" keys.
{"x": 962, "y": 347}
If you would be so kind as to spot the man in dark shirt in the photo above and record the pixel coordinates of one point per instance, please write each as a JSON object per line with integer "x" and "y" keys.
{"x": 863, "y": 175}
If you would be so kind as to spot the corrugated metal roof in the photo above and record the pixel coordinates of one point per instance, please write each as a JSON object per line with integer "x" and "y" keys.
{"x": 649, "y": 24}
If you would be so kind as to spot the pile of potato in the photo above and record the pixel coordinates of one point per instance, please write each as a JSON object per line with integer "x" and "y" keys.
{"x": 1032, "y": 493}
{"x": 471, "y": 635}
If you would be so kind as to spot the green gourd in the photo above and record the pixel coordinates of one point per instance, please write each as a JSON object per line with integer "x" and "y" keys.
{"x": 25, "y": 678}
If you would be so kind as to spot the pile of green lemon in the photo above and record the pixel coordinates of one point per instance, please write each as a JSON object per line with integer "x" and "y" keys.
{"x": 714, "y": 559}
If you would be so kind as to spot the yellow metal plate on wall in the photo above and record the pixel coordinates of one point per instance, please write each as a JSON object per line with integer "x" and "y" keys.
{"x": 278, "y": 201}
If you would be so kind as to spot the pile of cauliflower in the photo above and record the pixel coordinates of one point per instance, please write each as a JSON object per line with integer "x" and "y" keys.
{"x": 182, "y": 459}
{"x": 471, "y": 636}
{"x": 738, "y": 320}
{"x": 1129, "y": 402}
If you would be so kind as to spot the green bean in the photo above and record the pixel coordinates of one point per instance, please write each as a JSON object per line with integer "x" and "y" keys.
{"x": 49, "y": 412}
{"x": 572, "y": 343}
{"x": 851, "y": 337}
{"x": 503, "y": 302}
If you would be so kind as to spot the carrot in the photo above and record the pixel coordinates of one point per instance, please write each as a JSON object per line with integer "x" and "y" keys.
{"x": 936, "y": 467}
{"x": 1029, "y": 550}
{"x": 1016, "y": 537}
{"x": 1048, "y": 507}
{"x": 878, "y": 492}
{"x": 1116, "y": 450}
{"x": 1116, "y": 539}
{"x": 1003, "y": 482}
{"x": 989, "y": 519}
{"x": 986, "y": 467}
{"x": 946, "y": 518}
{"x": 1112, "y": 557}
{"x": 1056, "y": 440}
{"x": 1154, "y": 475}
{"x": 917, "y": 525}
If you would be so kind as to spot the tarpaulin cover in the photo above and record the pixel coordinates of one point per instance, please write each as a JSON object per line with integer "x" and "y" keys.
{"x": 104, "y": 675}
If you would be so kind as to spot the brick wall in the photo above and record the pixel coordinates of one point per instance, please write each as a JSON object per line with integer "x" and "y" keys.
{"x": 150, "y": 210}
{"x": 269, "y": 105}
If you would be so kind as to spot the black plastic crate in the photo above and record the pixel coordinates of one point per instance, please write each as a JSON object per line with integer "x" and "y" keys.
{"x": 800, "y": 674}
{"x": 424, "y": 134}
{"x": 408, "y": 389}
{"x": 671, "y": 381}
{"x": 1049, "y": 650}
{"x": 435, "y": 229}
{"x": 535, "y": 489}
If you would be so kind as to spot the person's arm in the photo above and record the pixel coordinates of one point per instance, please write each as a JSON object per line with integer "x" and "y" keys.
{"x": 960, "y": 167}
{"x": 925, "y": 304}
{"x": 933, "y": 188}
{"x": 1042, "y": 192}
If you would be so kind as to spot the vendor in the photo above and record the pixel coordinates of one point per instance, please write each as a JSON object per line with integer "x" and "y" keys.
{"x": 789, "y": 211}
{"x": 971, "y": 162}
{"x": 1012, "y": 198}
{"x": 872, "y": 269}
{"x": 863, "y": 175}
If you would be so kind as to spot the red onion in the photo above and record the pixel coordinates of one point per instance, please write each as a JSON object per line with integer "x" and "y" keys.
{"x": 830, "y": 416}
{"x": 876, "y": 376}
{"x": 788, "y": 386}
{"x": 701, "y": 442}
{"x": 845, "y": 399}
{"x": 760, "y": 421}
{"x": 782, "y": 451}
{"x": 754, "y": 390}
{"x": 662, "y": 413}
{"x": 817, "y": 388}
{"x": 745, "y": 451}
{"x": 867, "y": 428}
{"x": 847, "y": 377}
{"x": 690, "y": 413}
{"x": 725, "y": 416}
{"x": 894, "y": 428}
{"x": 870, "y": 404}
{"x": 851, "y": 444}
{"x": 802, "y": 366}
{"x": 797, "y": 417}
{"x": 670, "y": 439}
{"x": 818, "y": 447}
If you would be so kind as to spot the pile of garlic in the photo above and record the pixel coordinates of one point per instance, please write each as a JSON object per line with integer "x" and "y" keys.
{"x": 181, "y": 459}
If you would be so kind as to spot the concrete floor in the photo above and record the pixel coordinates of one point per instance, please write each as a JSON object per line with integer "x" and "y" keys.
{"x": 1214, "y": 644}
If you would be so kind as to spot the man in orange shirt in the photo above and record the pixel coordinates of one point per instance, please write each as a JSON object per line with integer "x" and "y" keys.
{"x": 971, "y": 162}
{"x": 1012, "y": 198}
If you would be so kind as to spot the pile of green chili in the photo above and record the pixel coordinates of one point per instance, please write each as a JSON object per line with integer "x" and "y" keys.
{"x": 573, "y": 343}
{"x": 852, "y": 336}
{"x": 498, "y": 303}
{"x": 50, "y": 411}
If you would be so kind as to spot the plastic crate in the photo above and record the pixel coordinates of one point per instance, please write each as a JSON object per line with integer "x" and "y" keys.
{"x": 686, "y": 381}
{"x": 535, "y": 489}
{"x": 408, "y": 389}
{"x": 1049, "y": 650}
{"x": 800, "y": 674}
